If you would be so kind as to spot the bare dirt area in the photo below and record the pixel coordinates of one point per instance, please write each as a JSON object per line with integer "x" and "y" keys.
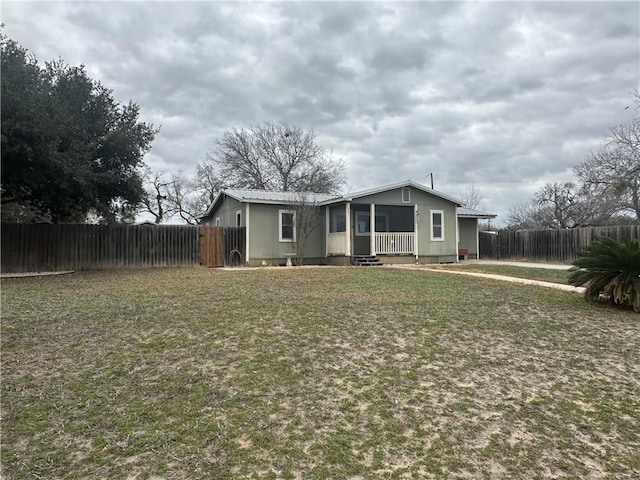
{"x": 314, "y": 373}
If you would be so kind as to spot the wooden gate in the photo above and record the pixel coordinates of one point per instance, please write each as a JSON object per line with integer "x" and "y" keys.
{"x": 212, "y": 246}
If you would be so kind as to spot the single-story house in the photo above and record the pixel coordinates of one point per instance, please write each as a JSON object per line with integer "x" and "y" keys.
{"x": 404, "y": 222}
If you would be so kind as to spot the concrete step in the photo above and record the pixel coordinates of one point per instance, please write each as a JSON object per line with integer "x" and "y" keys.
{"x": 365, "y": 261}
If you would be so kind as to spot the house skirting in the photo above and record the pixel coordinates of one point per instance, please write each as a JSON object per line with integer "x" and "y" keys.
{"x": 281, "y": 261}
{"x": 411, "y": 259}
{"x": 342, "y": 260}
{"x": 391, "y": 260}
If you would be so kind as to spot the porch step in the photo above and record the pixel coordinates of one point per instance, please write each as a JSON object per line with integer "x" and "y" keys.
{"x": 365, "y": 261}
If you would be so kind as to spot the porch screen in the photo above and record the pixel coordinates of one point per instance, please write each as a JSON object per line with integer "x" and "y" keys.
{"x": 363, "y": 226}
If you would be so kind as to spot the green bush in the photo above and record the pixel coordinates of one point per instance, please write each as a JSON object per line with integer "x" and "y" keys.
{"x": 610, "y": 272}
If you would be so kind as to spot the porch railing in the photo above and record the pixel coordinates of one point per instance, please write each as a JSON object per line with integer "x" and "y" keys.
{"x": 395, "y": 243}
{"x": 337, "y": 243}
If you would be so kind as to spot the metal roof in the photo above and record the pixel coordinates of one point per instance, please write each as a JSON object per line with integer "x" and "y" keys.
{"x": 268, "y": 197}
{"x": 264, "y": 196}
{"x": 471, "y": 213}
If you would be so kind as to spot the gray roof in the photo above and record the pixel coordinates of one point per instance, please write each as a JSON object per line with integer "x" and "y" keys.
{"x": 264, "y": 196}
{"x": 471, "y": 213}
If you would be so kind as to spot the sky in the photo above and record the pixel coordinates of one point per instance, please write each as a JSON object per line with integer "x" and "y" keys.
{"x": 504, "y": 96}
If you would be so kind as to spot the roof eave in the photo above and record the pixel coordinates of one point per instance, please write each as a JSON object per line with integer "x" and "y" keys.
{"x": 462, "y": 215}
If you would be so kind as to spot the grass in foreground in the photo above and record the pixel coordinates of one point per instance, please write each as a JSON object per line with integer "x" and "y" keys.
{"x": 313, "y": 373}
{"x": 542, "y": 274}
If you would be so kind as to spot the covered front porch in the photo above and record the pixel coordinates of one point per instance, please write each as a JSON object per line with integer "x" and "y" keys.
{"x": 371, "y": 229}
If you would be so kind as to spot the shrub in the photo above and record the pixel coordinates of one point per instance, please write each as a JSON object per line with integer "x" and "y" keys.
{"x": 610, "y": 272}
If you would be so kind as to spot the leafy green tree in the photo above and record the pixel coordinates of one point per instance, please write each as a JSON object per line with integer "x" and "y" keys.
{"x": 69, "y": 150}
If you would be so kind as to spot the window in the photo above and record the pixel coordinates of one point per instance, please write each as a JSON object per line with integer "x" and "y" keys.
{"x": 338, "y": 221}
{"x": 287, "y": 231}
{"x": 406, "y": 195}
{"x": 217, "y": 221}
{"x": 437, "y": 225}
{"x": 239, "y": 218}
{"x": 363, "y": 224}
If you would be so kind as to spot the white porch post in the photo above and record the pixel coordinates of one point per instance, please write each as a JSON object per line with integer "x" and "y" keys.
{"x": 457, "y": 236}
{"x": 372, "y": 228}
{"x": 246, "y": 239}
{"x": 327, "y": 229}
{"x": 347, "y": 229}
{"x": 416, "y": 217}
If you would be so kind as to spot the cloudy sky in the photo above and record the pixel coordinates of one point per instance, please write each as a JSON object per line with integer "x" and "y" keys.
{"x": 503, "y": 95}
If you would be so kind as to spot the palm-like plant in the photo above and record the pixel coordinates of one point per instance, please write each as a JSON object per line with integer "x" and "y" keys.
{"x": 610, "y": 272}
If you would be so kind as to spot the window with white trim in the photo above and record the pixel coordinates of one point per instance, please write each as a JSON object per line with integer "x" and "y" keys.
{"x": 239, "y": 218}
{"x": 437, "y": 225}
{"x": 217, "y": 221}
{"x": 406, "y": 195}
{"x": 287, "y": 225}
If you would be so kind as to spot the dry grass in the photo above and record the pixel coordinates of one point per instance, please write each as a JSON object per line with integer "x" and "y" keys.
{"x": 313, "y": 373}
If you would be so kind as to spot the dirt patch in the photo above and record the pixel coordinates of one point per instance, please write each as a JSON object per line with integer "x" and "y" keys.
{"x": 34, "y": 274}
{"x": 314, "y": 373}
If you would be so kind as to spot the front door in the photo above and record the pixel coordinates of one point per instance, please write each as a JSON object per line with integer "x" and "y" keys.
{"x": 361, "y": 230}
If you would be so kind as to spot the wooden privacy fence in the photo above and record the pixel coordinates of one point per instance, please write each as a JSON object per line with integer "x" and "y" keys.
{"x": 45, "y": 247}
{"x": 222, "y": 246}
{"x": 561, "y": 245}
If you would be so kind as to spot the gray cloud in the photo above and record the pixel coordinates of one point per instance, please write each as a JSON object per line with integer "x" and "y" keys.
{"x": 503, "y": 95}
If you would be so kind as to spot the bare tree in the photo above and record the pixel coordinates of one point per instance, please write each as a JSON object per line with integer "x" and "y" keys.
{"x": 207, "y": 185}
{"x": 182, "y": 197}
{"x": 525, "y": 216}
{"x": 307, "y": 215}
{"x": 471, "y": 197}
{"x": 274, "y": 156}
{"x": 155, "y": 201}
{"x": 560, "y": 205}
{"x": 613, "y": 169}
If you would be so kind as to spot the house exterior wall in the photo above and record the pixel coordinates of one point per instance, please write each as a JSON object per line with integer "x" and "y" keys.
{"x": 263, "y": 230}
{"x": 226, "y": 210}
{"x": 388, "y": 197}
{"x": 444, "y": 251}
{"x": 264, "y": 239}
{"x": 468, "y": 235}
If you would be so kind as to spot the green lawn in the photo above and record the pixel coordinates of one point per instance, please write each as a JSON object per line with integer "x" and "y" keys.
{"x": 313, "y": 373}
{"x": 542, "y": 274}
